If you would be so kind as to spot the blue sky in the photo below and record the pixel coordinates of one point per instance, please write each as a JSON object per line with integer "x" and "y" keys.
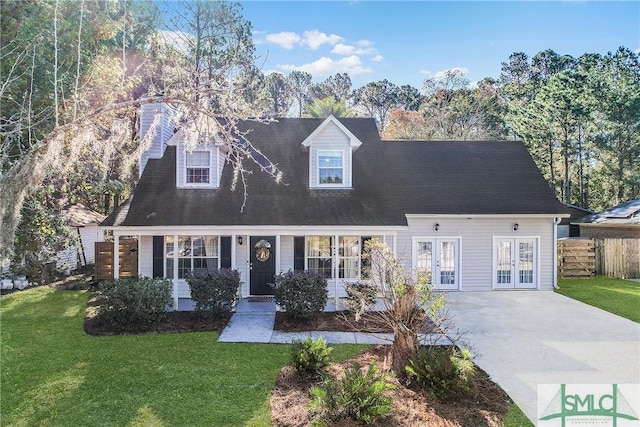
{"x": 406, "y": 42}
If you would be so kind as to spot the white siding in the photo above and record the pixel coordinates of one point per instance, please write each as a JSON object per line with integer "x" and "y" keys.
{"x": 215, "y": 163}
{"x": 89, "y": 236}
{"x": 242, "y": 263}
{"x": 476, "y": 245}
{"x": 286, "y": 253}
{"x": 330, "y": 138}
{"x": 145, "y": 257}
{"x": 157, "y": 120}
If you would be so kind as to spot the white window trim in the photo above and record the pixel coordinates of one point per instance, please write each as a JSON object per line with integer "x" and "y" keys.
{"x": 213, "y": 178}
{"x": 536, "y": 263}
{"x": 335, "y": 256}
{"x": 175, "y": 252}
{"x": 344, "y": 169}
{"x": 458, "y": 258}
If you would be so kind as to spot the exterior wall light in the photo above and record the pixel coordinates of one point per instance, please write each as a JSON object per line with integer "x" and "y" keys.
{"x": 515, "y": 227}
{"x": 240, "y": 240}
{"x": 436, "y": 227}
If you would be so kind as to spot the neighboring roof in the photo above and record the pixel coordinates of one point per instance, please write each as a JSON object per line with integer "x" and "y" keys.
{"x": 78, "y": 215}
{"x": 627, "y": 213}
{"x": 390, "y": 179}
{"x": 576, "y": 212}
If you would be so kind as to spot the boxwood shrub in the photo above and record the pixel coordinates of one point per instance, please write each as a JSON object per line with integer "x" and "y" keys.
{"x": 214, "y": 292}
{"x": 302, "y": 294}
{"x": 139, "y": 302}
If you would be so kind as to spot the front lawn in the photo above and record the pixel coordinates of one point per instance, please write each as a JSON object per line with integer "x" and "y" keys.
{"x": 54, "y": 374}
{"x": 617, "y": 296}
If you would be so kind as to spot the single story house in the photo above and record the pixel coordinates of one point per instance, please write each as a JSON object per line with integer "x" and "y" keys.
{"x": 619, "y": 222}
{"x": 567, "y": 226}
{"x": 477, "y": 215}
{"x": 85, "y": 223}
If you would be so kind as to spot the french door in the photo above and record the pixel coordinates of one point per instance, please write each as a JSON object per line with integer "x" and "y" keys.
{"x": 515, "y": 263}
{"x": 440, "y": 258}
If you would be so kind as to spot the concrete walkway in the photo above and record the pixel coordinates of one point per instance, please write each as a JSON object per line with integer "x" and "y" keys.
{"x": 254, "y": 321}
{"x": 525, "y": 338}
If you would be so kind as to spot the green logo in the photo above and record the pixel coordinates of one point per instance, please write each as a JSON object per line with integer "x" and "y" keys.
{"x": 584, "y": 403}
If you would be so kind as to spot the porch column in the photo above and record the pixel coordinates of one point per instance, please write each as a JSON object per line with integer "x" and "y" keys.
{"x": 278, "y": 250}
{"x": 175, "y": 272}
{"x": 116, "y": 255}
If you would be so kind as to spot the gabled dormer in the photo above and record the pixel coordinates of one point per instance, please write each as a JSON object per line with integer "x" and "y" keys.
{"x": 331, "y": 146}
{"x": 200, "y": 158}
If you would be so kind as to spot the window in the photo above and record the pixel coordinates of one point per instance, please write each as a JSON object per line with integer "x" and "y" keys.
{"x": 330, "y": 168}
{"x": 319, "y": 255}
{"x": 194, "y": 253}
{"x": 349, "y": 253}
{"x": 198, "y": 166}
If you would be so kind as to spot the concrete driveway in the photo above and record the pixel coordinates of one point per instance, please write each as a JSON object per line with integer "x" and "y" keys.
{"x": 526, "y": 338}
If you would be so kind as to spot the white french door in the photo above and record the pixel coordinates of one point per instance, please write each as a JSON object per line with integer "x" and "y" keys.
{"x": 515, "y": 263}
{"x": 440, "y": 258}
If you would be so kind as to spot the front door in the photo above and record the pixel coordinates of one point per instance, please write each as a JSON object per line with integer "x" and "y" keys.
{"x": 514, "y": 263}
{"x": 262, "y": 263}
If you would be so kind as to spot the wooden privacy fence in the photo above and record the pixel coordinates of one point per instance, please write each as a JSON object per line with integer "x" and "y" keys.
{"x": 576, "y": 258}
{"x": 128, "y": 257}
{"x": 619, "y": 258}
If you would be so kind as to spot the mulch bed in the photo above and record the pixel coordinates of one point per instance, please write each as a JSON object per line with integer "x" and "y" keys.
{"x": 486, "y": 407}
{"x": 337, "y": 321}
{"x": 177, "y": 321}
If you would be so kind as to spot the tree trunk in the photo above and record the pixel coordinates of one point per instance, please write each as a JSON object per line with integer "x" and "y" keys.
{"x": 405, "y": 344}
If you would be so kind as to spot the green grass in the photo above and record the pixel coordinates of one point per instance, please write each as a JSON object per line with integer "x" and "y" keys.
{"x": 617, "y": 296}
{"x": 53, "y": 374}
{"x": 516, "y": 418}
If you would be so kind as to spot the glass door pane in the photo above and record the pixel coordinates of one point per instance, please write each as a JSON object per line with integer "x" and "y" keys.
{"x": 503, "y": 262}
{"x": 447, "y": 263}
{"x": 425, "y": 258}
{"x": 525, "y": 262}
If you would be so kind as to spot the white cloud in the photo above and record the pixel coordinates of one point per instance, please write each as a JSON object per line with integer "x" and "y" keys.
{"x": 314, "y": 39}
{"x": 361, "y": 47}
{"x": 378, "y": 58}
{"x": 285, "y": 39}
{"x": 426, "y": 72}
{"x": 327, "y": 66}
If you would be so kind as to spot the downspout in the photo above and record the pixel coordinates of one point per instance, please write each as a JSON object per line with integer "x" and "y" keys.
{"x": 556, "y": 221}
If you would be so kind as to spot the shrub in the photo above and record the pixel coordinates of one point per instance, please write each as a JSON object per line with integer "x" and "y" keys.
{"x": 301, "y": 293}
{"x": 215, "y": 292}
{"x": 447, "y": 373}
{"x": 361, "y": 296}
{"x": 310, "y": 357}
{"x": 127, "y": 302}
{"x": 358, "y": 396}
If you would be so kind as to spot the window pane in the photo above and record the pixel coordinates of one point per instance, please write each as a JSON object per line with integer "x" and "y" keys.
{"x": 447, "y": 263}
{"x": 348, "y": 268}
{"x": 319, "y": 246}
{"x": 526, "y": 262}
{"x": 331, "y": 159}
{"x": 184, "y": 246}
{"x": 197, "y": 175}
{"x": 169, "y": 268}
{"x": 184, "y": 266}
{"x": 330, "y": 176}
{"x": 197, "y": 159}
{"x": 320, "y": 266}
{"x": 211, "y": 246}
{"x": 349, "y": 246}
{"x": 503, "y": 262}
{"x": 198, "y": 246}
{"x": 425, "y": 254}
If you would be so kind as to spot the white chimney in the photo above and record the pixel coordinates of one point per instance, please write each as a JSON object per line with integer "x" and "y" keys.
{"x": 157, "y": 123}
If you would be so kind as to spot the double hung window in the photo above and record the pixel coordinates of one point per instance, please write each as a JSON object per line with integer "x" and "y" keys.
{"x": 198, "y": 167}
{"x": 194, "y": 253}
{"x": 331, "y": 260}
{"x": 330, "y": 168}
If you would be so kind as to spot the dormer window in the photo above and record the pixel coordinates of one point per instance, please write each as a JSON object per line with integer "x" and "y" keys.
{"x": 198, "y": 167}
{"x": 330, "y": 167}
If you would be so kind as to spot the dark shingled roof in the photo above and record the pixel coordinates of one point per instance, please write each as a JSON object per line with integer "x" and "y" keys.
{"x": 390, "y": 179}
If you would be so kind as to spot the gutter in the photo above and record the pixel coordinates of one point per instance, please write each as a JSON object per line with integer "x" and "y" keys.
{"x": 556, "y": 221}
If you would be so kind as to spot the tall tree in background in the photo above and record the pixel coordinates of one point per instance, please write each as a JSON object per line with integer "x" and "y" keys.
{"x": 299, "y": 83}
{"x": 278, "y": 93}
{"x": 377, "y": 99}
{"x": 328, "y": 106}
